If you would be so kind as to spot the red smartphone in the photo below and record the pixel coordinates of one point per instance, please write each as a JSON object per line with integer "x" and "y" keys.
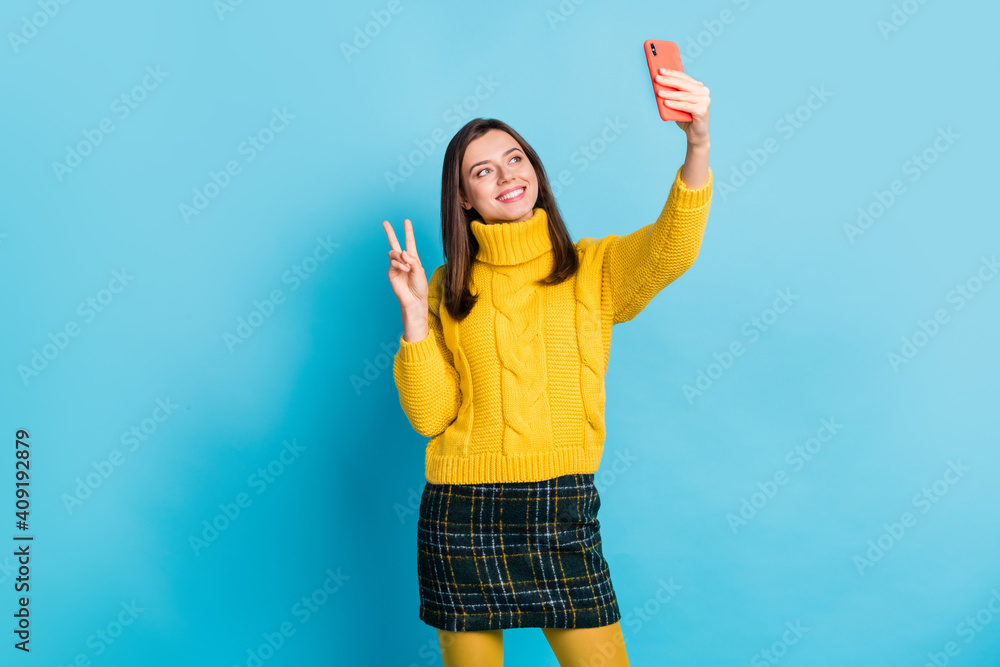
{"x": 661, "y": 53}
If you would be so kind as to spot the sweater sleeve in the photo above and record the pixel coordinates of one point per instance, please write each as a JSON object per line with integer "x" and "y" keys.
{"x": 640, "y": 264}
{"x": 428, "y": 384}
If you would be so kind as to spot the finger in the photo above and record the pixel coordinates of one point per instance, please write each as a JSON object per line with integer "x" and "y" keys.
{"x": 393, "y": 243}
{"x": 411, "y": 242}
{"x": 678, "y": 74}
{"x": 679, "y": 85}
{"x": 690, "y": 107}
{"x": 411, "y": 257}
{"x": 679, "y": 95}
{"x": 678, "y": 80}
{"x": 398, "y": 265}
{"x": 665, "y": 71}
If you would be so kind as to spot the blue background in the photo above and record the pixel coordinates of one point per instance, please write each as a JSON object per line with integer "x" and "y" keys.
{"x": 316, "y": 372}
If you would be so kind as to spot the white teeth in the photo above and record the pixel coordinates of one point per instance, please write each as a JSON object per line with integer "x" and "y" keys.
{"x": 509, "y": 195}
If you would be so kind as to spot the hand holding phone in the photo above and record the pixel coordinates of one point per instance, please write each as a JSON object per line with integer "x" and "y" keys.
{"x": 662, "y": 53}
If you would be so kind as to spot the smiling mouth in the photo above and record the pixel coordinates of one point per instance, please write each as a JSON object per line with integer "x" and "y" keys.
{"x": 513, "y": 195}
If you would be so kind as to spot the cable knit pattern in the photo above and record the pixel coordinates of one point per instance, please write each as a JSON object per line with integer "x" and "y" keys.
{"x": 515, "y": 392}
{"x": 521, "y": 351}
{"x": 589, "y": 344}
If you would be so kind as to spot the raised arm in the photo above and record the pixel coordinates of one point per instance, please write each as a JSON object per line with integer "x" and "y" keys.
{"x": 424, "y": 370}
{"x": 640, "y": 264}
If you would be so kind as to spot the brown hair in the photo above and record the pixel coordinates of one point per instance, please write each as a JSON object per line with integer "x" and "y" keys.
{"x": 459, "y": 243}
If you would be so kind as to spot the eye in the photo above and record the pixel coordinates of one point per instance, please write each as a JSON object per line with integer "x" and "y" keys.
{"x": 480, "y": 172}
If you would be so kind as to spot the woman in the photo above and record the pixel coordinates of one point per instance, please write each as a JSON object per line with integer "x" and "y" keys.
{"x": 502, "y": 364}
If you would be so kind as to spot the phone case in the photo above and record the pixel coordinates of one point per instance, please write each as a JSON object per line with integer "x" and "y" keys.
{"x": 663, "y": 53}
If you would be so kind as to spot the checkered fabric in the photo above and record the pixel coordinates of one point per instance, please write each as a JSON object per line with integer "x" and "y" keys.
{"x": 513, "y": 555}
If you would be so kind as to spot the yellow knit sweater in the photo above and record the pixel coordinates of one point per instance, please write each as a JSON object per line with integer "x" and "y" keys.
{"x": 515, "y": 392}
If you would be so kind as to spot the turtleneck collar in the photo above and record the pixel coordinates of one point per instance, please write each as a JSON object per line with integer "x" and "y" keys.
{"x": 508, "y": 243}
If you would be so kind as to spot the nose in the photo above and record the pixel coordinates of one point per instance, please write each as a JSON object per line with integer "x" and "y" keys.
{"x": 506, "y": 174}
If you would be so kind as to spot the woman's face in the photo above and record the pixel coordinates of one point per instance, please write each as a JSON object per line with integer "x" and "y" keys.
{"x": 494, "y": 165}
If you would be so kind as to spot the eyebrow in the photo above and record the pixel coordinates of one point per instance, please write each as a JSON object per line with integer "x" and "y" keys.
{"x": 509, "y": 150}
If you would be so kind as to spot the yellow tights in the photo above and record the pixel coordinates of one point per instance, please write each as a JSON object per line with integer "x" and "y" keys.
{"x": 573, "y": 647}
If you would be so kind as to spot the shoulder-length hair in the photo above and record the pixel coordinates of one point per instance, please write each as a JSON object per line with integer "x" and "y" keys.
{"x": 460, "y": 244}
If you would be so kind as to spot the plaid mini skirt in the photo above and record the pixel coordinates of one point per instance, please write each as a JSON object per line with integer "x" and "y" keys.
{"x": 513, "y": 555}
